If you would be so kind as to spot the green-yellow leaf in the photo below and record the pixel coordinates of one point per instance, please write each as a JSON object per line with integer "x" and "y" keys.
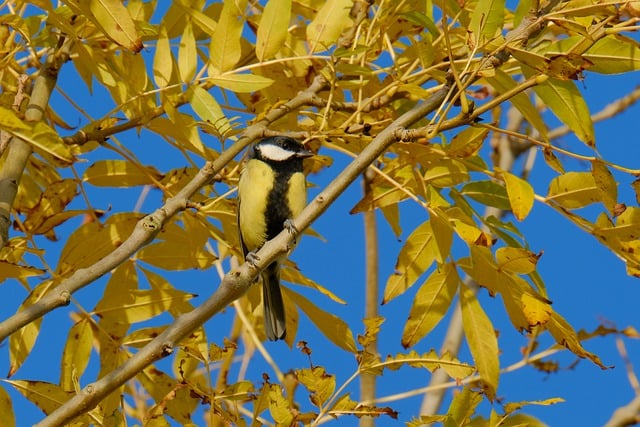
{"x": 574, "y": 190}
{"x": 564, "y": 99}
{"x": 416, "y": 256}
{"x": 516, "y": 260}
{"x": 330, "y": 325}
{"x": 504, "y": 83}
{"x": 120, "y": 173}
{"x": 488, "y": 193}
{"x": 187, "y": 54}
{"x": 521, "y": 195}
{"x": 241, "y": 83}
{"x": 225, "y": 48}
{"x": 487, "y": 19}
{"x": 482, "y": 340}
{"x": 327, "y": 25}
{"x": 38, "y": 134}
{"x": 613, "y": 54}
{"x": 431, "y": 303}
{"x": 606, "y": 184}
{"x": 462, "y": 407}
{"x": 272, "y": 31}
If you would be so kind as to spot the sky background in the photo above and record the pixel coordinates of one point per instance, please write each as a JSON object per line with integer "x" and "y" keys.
{"x": 587, "y": 284}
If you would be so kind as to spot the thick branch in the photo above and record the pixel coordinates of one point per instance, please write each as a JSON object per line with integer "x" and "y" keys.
{"x": 627, "y": 415}
{"x": 368, "y": 380}
{"x": 236, "y": 282}
{"x": 18, "y": 151}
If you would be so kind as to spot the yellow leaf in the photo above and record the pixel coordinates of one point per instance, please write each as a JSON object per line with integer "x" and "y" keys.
{"x": 46, "y": 396}
{"x": 515, "y": 406}
{"x": 6, "y": 409}
{"x": 516, "y": 260}
{"x": 225, "y": 48}
{"x": 328, "y": 24}
{"x": 175, "y": 400}
{"x": 482, "y": 340}
{"x": 431, "y": 303}
{"x": 241, "y": 83}
{"x": 574, "y": 190}
{"x": 606, "y": 184}
{"x": 416, "y": 256}
{"x": 446, "y": 173}
{"x": 279, "y": 407}
{"x": 162, "y": 59}
{"x": 22, "y": 341}
{"x": 207, "y": 108}
{"x": 535, "y": 310}
{"x": 626, "y": 228}
{"x": 92, "y": 242}
{"x": 115, "y": 21}
{"x": 330, "y": 325}
{"x": 15, "y": 271}
{"x": 443, "y": 233}
{"x": 318, "y": 382}
{"x": 467, "y": 142}
{"x": 120, "y": 173}
{"x": 38, "y": 134}
{"x": 564, "y": 335}
{"x": 178, "y": 249}
{"x": 521, "y": 195}
{"x": 75, "y": 356}
{"x": 187, "y": 54}
{"x": 273, "y": 28}
{"x": 431, "y": 361}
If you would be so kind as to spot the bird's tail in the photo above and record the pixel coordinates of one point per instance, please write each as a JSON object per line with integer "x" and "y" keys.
{"x": 274, "y": 320}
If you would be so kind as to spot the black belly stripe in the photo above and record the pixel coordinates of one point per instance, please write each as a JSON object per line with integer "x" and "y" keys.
{"x": 277, "y": 204}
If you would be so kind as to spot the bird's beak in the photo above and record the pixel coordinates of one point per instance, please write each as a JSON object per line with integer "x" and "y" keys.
{"x": 305, "y": 153}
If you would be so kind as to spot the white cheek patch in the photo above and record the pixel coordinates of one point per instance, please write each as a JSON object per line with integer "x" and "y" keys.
{"x": 275, "y": 153}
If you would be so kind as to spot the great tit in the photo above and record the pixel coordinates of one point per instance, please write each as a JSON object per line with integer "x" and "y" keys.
{"x": 271, "y": 191}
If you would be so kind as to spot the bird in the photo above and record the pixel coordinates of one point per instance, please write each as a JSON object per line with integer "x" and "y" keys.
{"x": 271, "y": 192}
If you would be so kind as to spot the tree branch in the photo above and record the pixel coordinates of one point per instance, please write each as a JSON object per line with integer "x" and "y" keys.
{"x": 147, "y": 228}
{"x": 237, "y": 281}
{"x": 18, "y": 150}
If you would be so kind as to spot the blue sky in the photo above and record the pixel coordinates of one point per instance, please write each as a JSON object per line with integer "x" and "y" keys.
{"x": 587, "y": 283}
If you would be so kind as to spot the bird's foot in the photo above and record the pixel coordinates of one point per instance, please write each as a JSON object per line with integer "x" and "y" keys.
{"x": 288, "y": 225}
{"x": 252, "y": 258}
